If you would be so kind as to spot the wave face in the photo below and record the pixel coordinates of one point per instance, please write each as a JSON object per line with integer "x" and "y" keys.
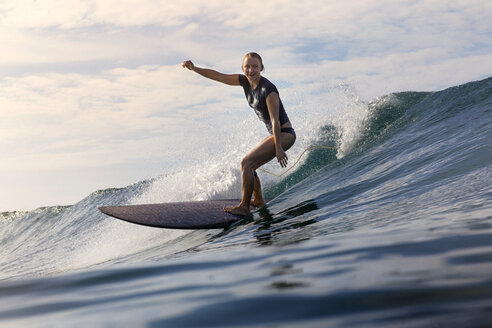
{"x": 393, "y": 229}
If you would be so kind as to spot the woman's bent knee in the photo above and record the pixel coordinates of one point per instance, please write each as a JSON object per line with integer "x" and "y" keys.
{"x": 246, "y": 164}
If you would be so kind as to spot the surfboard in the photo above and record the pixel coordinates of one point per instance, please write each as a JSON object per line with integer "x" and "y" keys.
{"x": 179, "y": 215}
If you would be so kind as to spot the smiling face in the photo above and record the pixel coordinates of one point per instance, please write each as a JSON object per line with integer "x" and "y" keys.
{"x": 252, "y": 68}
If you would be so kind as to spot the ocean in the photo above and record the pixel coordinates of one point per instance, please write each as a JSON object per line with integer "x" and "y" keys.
{"x": 392, "y": 229}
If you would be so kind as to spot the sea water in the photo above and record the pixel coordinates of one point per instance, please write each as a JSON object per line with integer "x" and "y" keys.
{"x": 392, "y": 229}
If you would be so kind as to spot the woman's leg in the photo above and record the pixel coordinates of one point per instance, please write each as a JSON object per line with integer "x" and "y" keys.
{"x": 257, "y": 195}
{"x": 261, "y": 154}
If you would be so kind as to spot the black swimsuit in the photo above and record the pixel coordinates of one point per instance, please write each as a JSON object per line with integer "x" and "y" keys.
{"x": 257, "y": 100}
{"x": 288, "y": 130}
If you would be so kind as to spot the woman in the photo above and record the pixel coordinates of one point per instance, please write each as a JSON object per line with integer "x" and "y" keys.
{"x": 263, "y": 97}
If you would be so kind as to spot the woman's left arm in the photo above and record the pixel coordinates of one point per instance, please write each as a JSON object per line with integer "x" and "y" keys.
{"x": 273, "y": 102}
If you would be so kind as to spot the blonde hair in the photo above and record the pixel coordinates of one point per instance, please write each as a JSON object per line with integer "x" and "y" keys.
{"x": 254, "y": 55}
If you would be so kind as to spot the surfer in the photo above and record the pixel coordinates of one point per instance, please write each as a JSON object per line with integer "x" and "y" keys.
{"x": 263, "y": 97}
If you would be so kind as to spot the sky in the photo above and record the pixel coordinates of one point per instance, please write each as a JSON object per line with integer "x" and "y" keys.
{"x": 93, "y": 95}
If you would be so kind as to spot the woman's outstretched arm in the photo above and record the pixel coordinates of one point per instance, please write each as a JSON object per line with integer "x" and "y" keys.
{"x": 230, "y": 79}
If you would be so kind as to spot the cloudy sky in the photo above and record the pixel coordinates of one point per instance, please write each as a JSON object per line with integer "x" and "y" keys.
{"x": 92, "y": 94}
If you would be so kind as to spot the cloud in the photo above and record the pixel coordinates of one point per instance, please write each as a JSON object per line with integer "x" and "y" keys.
{"x": 75, "y": 14}
{"x": 71, "y": 113}
{"x": 39, "y": 14}
{"x": 125, "y": 31}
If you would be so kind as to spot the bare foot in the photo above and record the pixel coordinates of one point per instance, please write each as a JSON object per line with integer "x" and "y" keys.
{"x": 258, "y": 203}
{"x": 237, "y": 210}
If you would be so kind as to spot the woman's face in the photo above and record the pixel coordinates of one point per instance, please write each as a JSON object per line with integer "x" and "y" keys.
{"x": 252, "y": 68}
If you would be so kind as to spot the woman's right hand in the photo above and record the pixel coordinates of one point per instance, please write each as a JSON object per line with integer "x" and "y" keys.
{"x": 188, "y": 64}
